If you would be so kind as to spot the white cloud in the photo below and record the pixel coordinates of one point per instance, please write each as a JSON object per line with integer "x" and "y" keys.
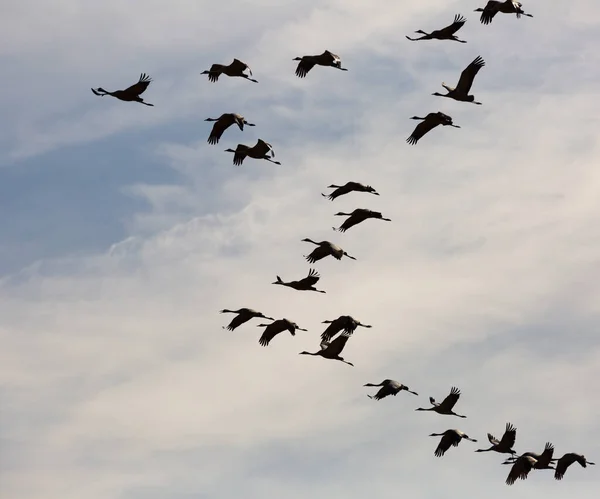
{"x": 118, "y": 380}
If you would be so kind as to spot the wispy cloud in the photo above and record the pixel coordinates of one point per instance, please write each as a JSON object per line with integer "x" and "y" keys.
{"x": 117, "y": 378}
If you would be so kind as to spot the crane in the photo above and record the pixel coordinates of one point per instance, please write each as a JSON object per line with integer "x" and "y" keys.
{"x": 325, "y": 248}
{"x": 449, "y": 438}
{"x": 307, "y": 62}
{"x": 223, "y": 122}
{"x": 427, "y": 124}
{"x": 494, "y": 7}
{"x": 446, "y": 33}
{"x": 243, "y": 316}
{"x": 305, "y": 284}
{"x": 461, "y": 92}
{"x": 505, "y": 444}
{"x": 332, "y": 350}
{"x": 567, "y": 460}
{"x": 276, "y": 327}
{"x": 260, "y": 150}
{"x": 357, "y": 216}
{"x": 388, "y": 387}
{"x": 345, "y": 323}
{"x": 340, "y": 190}
{"x": 130, "y": 94}
{"x": 234, "y": 69}
{"x": 446, "y": 406}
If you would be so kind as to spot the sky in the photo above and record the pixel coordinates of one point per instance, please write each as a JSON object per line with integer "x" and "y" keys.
{"x": 124, "y": 233}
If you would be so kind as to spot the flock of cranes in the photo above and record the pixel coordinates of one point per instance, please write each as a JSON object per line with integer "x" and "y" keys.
{"x": 340, "y": 330}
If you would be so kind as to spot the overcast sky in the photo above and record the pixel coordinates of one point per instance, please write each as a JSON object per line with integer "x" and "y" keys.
{"x": 124, "y": 233}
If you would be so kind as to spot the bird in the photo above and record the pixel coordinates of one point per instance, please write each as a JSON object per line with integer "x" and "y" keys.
{"x": 357, "y": 216}
{"x": 307, "y": 62}
{"x": 236, "y": 68}
{"x": 566, "y": 461}
{"x": 325, "y": 248}
{"x": 543, "y": 461}
{"x": 428, "y": 123}
{"x": 493, "y": 7}
{"x": 388, "y": 387}
{"x": 260, "y": 150}
{"x": 130, "y": 94}
{"x": 446, "y": 406}
{"x": 461, "y": 92}
{"x": 449, "y": 438}
{"x": 244, "y": 315}
{"x": 331, "y": 350}
{"x": 223, "y": 122}
{"x": 305, "y": 284}
{"x": 276, "y": 327}
{"x": 520, "y": 469}
{"x": 446, "y": 33}
{"x": 505, "y": 444}
{"x": 340, "y": 190}
{"x": 345, "y": 323}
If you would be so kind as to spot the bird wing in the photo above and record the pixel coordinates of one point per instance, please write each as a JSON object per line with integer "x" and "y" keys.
{"x": 311, "y": 279}
{"x": 421, "y": 129}
{"x": 139, "y": 87}
{"x": 562, "y": 465}
{"x": 489, "y": 11}
{"x": 446, "y": 442}
{"x": 449, "y": 402}
{"x": 317, "y": 254}
{"x": 334, "y": 328}
{"x": 509, "y": 437}
{"x": 240, "y": 154}
{"x": 270, "y": 332}
{"x": 468, "y": 75}
{"x": 340, "y": 191}
{"x": 241, "y": 66}
{"x": 493, "y": 440}
{"x": 383, "y": 392}
{"x": 458, "y": 23}
{"x": 214, "y": 72}
{"x": 338, "y": 344}
{"x": 263, "y": 147}
{"x": 520, "y": 469}
{"x": 547, "y": 454}
{"x": 238, "y": 320}
{"x": 222, "y": 124}
{"x": 304, "y": 66}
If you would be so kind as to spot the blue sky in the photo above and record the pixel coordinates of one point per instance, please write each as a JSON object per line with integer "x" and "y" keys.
{"x": 124, "y": 233}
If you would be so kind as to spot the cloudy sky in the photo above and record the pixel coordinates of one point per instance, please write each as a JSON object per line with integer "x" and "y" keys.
{"x": 124, "y": 233}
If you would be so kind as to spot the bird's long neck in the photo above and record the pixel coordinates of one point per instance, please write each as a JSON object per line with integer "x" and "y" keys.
{"x": 309, "y": 353}
{"x": 311, "y": 241}
{"x": 371, "y": 384}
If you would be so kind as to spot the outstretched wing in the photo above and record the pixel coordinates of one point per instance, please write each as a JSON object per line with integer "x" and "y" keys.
{"x": 458, "y": 23}
{"x": 139, "y": 87}
{"x": 241, "y": 66}
{"x": 447, "y": 441}
{"x": 312, "y": 278}
{"x": 304, "y": 66}
{"x": 468, "y": 75}
{"x": 238, "y": 321}
{"x": 334, "y": 328}
{"x": 218, "y": 128}
{"x": 421, "y": 129}
{"x": 449, "y": 402}
{"x": 240, "y": 154}
{"x": 263, "y": 147}
{"x": 509, "y": 437}
{"x": 338, "y": 344}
